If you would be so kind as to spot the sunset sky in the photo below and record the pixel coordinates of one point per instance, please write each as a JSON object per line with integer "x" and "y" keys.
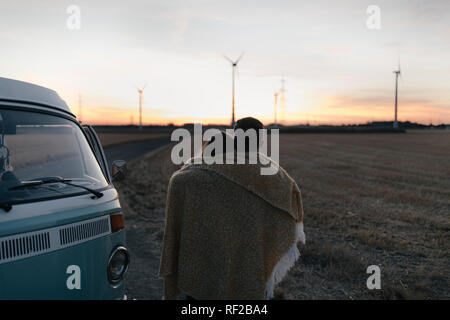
{"x": 337, "y": 70}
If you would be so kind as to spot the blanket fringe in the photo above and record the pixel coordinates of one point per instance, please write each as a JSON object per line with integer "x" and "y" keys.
{"x": 285, "y": 264}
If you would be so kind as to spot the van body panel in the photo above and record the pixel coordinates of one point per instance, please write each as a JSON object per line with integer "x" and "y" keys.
{"x": 45, "y": 276}
{"x": 46, "y": 214}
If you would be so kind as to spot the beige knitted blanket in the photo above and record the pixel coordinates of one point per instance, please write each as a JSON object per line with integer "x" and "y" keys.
{"x": 230, "y": 233}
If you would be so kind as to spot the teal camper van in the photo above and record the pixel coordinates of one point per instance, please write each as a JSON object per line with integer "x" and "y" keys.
{"x": 62, "y": 232}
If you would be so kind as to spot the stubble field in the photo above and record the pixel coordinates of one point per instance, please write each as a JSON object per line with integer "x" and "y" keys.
{"x": 369, "y": 199}
{"x": 110, "y": 139}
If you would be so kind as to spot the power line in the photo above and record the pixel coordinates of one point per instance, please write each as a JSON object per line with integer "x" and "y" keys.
{"x": 140, "y": 91}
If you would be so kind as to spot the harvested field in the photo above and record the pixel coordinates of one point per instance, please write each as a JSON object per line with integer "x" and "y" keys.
{"x": 369, "y": 199}
{"x": 109, "y": 139}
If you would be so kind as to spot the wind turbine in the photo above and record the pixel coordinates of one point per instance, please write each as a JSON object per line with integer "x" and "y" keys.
{"x": 140, "y": 91}
{"x": 397, "y": 73}
{"x": 234, "y": 67}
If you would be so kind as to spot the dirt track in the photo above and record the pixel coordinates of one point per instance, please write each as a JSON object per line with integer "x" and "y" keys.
{"x": 132, "y": 150}
{"x": 142, "y": 196}
{"x": 368, "y": 199}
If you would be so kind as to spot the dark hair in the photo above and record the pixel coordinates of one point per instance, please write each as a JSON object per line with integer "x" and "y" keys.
{"x": 224, "y": 137}
{"x": 246, "y": 124}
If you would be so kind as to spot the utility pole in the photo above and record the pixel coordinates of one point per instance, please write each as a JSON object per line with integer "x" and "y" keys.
{"x": 140, "y": 91}
{"x": 140, "y": 110}
{"x": 79, "y": 108}
{"x": 275, "y": 112}
{"x": 282, "y": 99}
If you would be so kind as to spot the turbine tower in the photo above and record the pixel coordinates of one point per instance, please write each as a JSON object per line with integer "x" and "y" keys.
{"x": 140, "y": 91}
{"x": 397, "y": 73}
{"x": 234, "y": 67}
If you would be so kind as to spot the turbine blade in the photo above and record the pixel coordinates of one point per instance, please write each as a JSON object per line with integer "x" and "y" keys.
{"x": 240, "y": 57}
{"x": 231, "y": 61}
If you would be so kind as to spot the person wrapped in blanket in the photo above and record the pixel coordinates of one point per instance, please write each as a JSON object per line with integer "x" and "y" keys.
{"x": 230, "y": 232}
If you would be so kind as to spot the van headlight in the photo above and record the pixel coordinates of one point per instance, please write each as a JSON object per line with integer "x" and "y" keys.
{"x": 118, "y": 264}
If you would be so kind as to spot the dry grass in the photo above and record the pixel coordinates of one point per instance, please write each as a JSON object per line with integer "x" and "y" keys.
{"x": 372, "y": 199}
{"x": 380, "y": 199}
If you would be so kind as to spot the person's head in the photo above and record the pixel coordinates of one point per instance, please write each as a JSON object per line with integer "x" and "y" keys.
{"x": 224, "y": 136}
{"x": 247, "y": 124}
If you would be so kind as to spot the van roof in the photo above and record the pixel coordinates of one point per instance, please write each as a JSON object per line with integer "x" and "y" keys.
{"x": 21, "y": 91}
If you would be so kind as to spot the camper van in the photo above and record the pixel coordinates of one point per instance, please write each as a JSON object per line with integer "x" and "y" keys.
{"x": 62, "y": 231}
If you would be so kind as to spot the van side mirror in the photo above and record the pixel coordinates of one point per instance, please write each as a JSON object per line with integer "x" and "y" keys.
{"x": 119, "y": 168}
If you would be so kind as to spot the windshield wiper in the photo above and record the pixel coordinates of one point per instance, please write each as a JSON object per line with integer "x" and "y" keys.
{"x": 42, "y": 181}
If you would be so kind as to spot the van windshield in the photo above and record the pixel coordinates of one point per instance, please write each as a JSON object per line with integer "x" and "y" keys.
{"x": 34, "y": 146}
